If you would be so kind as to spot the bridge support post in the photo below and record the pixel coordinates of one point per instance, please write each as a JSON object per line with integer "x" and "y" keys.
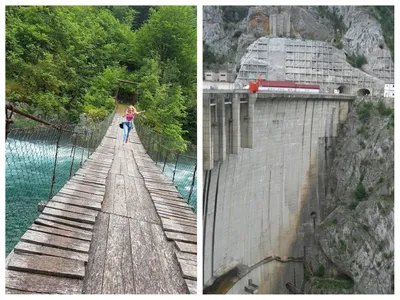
{"x": 208, "y": 155}
{"x": 235, "y": 124}
{"x": 221, "y": 127}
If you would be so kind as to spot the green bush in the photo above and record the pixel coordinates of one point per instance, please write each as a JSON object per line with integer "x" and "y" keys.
{"x": 357, "y": 61}
{"x": 342, "y": 245}
{"x": 360, "y": 192}
{"x": 320, "y": 271}
{"x": 331, "y": 285}
{"x": 383, "y": 109}
{"x": 364, "y": 111}
{"x": 353, "y": 204}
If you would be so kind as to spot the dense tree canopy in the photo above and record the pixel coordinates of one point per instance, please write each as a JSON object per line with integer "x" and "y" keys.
{"x": 63, "y": 62}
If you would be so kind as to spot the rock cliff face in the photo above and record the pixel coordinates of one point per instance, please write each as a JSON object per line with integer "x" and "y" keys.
{"x": 356, "y": 235}
{"x": 228, "y": 31}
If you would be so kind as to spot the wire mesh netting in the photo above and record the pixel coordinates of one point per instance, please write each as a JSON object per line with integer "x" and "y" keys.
{"x": 32, "y": 156}
{"x": 181, "y": 168}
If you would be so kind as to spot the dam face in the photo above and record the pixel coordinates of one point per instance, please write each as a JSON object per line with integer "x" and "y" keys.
{"x": 265, "y": 160}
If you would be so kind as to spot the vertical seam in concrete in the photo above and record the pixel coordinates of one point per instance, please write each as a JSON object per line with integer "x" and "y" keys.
{"x": 269, "y": 206}
{"x": 215, "y": 215}
{"x": 312, "y": 121}
{"x": 302, "y": 151}
{"x": 205, "y": 201}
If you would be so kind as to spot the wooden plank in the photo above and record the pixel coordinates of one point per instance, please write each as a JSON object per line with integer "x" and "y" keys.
{"x": 90, "y": 179}
{"x": 83, "y": 226}
{"x": 90, "y": 182}
{"x": 189, "y": 238}
{"x": 132, "y": 166}
{"x": 168, "y": 214}
{"x": 173, "y": 209}
{"x": 187, "y": 261}
{"x": 52, "y": 224}
{"x": 187, "y": 256}
{"x": 167, "y": 197}
{"x": 161, "y": 187}
{"x": 108, "y": 203}
{"x": 81, "y": 185}
{"x": 23, "y": 247}
{"x": 119, "y": 200}
{"x": 84, "y": 188}
{"x": 106, "y": 162}
{"x": 172, "y": 274}
{"x": 125, "y": 157}
{"x": 72, "y": 208}
{"x": 93, "y": 180}
{"x": 80, "y": 203}
{"x": 86, "y": 236}
{"x": 162, "y": 192}
{"x": 175, "y": 227}
{"x": 118, "y": 273}
{"x": 18, "y": 292}
{"x": 91, "y": 174}
{"x": 36, "y": 283}
{"x": 192, "y": 286}
{"x": 95, "y": 169}
{"x": 146, "y": 267}
{"x": 148, "y": 167}
{"x": 52, "y": 240}
{"x": 80, "y": 195}
{"x": 97, "y": 256}
{"x": 116, "y": 166}
{"x": 186, "y": 247}
{"x": 47, "y": 265}
{"x": 102, "y": 162}
{"x": 171, "y": 203}
{"x": 181, "y": 221}
{"x": 69, "y": 215}
{"x": 158, "y": 179}
{"x": 133, "y": 206}
{"x": 189, "y": 271}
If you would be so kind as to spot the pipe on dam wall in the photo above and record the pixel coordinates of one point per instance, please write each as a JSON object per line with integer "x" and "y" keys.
{"x": 259, "y": 201}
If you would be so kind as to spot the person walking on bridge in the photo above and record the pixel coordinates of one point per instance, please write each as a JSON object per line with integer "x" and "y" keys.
{"x": 127, "y": 123}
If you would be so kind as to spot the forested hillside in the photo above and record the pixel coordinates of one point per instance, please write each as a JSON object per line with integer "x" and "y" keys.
{"x": 63, "y": 63}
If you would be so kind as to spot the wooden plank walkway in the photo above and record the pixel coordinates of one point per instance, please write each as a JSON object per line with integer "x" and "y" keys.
{"x": 108, "y": 229}
{"x": 178, "y": 221}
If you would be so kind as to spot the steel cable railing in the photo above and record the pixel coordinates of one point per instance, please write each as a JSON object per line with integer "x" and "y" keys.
{"x": 39, "y": 161}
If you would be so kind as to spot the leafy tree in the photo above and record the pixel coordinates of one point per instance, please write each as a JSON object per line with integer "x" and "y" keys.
{"x": 164, "y": 104}
{"x": 171, "y": 34}
{"x": 63, "y": 62}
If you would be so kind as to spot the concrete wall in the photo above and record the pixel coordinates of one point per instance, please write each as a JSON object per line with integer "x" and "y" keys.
{"x": 258, "y": 202}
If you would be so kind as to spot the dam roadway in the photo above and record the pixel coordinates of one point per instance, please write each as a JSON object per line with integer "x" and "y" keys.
{"x": 266, "y": 157}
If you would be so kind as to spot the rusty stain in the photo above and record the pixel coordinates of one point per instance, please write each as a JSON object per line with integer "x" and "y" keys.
{"x": 266, "y": 26}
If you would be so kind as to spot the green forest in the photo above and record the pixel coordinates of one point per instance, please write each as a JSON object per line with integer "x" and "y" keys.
{"x": 63, "y": 63}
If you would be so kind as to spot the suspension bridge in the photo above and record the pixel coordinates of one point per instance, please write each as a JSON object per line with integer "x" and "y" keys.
{"x": 117, "y": 226}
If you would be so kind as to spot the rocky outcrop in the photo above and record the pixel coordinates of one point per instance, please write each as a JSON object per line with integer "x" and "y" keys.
{"x": 356, "y": 235}
{"x": 354, "y": 28}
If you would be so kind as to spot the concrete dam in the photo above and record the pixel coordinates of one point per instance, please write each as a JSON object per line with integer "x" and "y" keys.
{"x": 266, "y": 157}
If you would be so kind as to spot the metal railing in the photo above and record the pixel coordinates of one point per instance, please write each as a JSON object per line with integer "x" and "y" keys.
{"x": 40, "y": 159}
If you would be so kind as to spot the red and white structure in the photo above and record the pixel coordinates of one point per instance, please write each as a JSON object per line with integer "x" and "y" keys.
{"x": 285, "y": 86}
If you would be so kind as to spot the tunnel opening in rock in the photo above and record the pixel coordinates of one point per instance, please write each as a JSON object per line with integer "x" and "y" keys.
{"x": 363, "y": 92}
{"x": 343, "y": 89}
